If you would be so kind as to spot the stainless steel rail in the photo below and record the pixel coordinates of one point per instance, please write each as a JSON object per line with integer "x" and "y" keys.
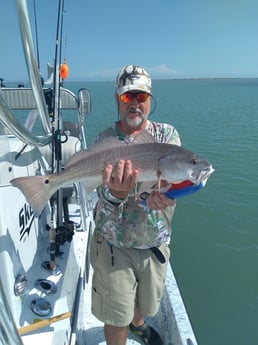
{"x": 6, "y": 115}
{"x": 32, "y": 65}
{"x": 9, "y": 121}
{"x": 8, "y": 331}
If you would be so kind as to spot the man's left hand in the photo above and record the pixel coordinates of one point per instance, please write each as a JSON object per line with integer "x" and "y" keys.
{"x": 159, "y": 201}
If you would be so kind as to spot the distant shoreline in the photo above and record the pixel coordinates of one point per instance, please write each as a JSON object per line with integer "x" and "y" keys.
{"x": 161, "y": 79}
{"x": 11, "y": 82}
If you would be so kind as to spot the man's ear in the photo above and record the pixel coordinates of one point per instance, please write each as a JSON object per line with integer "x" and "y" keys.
{"x": 117, "y": 99}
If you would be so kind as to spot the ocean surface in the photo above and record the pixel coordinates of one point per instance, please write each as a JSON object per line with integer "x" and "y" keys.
{"x": 214, "y": 247}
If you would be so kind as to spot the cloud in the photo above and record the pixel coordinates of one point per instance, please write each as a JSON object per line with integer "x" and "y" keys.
{"x": 159, "y": 71}
{"x": 163, "y": 70}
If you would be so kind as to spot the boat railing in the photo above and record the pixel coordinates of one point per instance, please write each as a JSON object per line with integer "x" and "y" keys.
{"x": 31, "y": 63}
{"x": 9, "y": 121}
{"x": 9, "y": 333}
{"x": 33, "y": 98}
{"x": 23, "y": 99}
{"x": 7, "y": 118}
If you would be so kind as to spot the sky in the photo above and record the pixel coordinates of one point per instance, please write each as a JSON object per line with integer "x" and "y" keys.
{"x": 170, "y": 38}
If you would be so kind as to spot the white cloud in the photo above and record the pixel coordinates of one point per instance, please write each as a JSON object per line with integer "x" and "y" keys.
{"x": 163, "y": 70}
{"x": 159, "y": 71}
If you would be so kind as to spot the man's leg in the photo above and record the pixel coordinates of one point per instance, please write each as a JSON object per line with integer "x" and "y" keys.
{"x": 115, "y": 335}
{"x": 138, "y": 318}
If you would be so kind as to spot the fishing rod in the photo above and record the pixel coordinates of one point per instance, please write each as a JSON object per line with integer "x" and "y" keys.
{"x": 57, "y": 231}
{"x": 56, "y": 137}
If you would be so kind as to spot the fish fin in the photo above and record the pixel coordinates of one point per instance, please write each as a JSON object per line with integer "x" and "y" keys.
{"x": 110, "y": 142}
{"x": 76, "y": 158}
{"x": 136, "y": 192}
{"x": 159, "y": 180}
{"x": 91, "y": 183}
{"x": 36, "y": 189}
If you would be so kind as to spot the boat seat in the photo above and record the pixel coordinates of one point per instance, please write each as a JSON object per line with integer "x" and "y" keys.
{"x": 23, "y": 98}
{"x": 70, "y": 147}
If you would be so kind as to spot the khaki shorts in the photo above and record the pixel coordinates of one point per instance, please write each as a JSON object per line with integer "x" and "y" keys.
{"x": 123, "y": 278}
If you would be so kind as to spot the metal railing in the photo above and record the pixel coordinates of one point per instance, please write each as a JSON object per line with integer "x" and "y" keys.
{"x": 32, "y": 65}
{"x": 6, "y": 116}
{"x": 8, "y": 331}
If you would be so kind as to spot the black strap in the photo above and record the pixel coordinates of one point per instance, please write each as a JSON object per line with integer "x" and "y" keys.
{"x": 158, "y": 254}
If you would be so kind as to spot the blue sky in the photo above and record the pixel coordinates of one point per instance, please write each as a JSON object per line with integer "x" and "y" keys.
{"x": 170, "y": 38}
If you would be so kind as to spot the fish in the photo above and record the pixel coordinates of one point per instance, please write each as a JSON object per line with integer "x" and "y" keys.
{"x": 155, "y": 161}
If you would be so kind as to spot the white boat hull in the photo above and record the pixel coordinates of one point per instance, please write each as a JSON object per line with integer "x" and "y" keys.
{"x": 24, "y": 243}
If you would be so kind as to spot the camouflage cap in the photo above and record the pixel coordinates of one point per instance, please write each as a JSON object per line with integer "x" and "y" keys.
{"x": 132, "y": 78}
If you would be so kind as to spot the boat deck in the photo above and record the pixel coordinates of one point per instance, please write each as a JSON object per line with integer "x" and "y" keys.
{"x": 171, "y": 321}
{"x": 90, "y": 330}
{"x": 172, "y": 324}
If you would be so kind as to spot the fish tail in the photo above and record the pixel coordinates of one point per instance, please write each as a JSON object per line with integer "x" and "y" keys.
{"x": 36, "y": 189}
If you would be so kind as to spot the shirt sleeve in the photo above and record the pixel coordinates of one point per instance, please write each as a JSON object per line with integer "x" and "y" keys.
{"x": 175, "y": 138}
{"x": 164, "y": 133}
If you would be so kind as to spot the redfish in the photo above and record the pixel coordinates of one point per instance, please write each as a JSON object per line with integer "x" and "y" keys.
{"x": 154, "y": 161}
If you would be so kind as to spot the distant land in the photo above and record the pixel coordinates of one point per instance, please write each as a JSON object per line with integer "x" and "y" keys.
{"x": 13, "y": 83}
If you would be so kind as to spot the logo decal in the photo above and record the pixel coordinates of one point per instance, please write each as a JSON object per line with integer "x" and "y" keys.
{"x": 26, "y": 218}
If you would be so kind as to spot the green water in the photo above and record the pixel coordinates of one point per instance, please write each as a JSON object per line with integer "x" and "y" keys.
{"x": 215, "y": 233}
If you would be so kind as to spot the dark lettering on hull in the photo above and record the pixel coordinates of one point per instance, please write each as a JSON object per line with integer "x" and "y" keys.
{"x": 26, "y": 218}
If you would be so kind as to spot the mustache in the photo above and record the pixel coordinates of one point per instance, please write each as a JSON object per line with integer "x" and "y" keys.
{"x": 135, "y": 110}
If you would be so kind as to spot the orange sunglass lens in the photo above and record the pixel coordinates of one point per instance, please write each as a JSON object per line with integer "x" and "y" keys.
{"x": 129, "y": 96}
{"x": 126, "y": 97}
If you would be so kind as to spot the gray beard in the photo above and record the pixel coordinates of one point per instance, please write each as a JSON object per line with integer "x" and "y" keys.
{"x": 139, "y": 121}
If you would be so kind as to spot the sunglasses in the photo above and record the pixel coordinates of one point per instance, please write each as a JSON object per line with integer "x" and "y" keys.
{"x": 128, "y": 97}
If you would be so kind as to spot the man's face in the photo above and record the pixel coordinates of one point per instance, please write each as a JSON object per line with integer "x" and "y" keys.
{"x": 134, "y": 108}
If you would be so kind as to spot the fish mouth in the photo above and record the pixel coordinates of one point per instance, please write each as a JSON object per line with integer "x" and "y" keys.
{"x": 202, "y": 175}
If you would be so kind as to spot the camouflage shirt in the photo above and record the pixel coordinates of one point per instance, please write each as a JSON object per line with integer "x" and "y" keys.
{"x": 127, "y": 222}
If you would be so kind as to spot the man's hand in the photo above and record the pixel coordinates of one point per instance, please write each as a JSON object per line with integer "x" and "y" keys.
{"x": 159, "y": 201}
{"x": 120, "y": 179}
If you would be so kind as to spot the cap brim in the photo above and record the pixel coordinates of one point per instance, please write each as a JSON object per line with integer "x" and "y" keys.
{"x": 127, "y": 88}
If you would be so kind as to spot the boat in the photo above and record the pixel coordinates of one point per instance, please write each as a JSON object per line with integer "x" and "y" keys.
{"x": 45, "y": 276}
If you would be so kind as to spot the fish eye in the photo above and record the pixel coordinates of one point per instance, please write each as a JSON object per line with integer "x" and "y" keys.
{"x": 194, "y": 161}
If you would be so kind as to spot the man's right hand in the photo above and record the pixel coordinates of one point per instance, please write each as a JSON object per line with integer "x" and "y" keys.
{"x": 120, "y": 179}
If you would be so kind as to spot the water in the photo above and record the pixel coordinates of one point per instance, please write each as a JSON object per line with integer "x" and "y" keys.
{"x": 214, "y": 248}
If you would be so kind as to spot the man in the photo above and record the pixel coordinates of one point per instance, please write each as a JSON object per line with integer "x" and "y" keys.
{"x": 129, "y": 251}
